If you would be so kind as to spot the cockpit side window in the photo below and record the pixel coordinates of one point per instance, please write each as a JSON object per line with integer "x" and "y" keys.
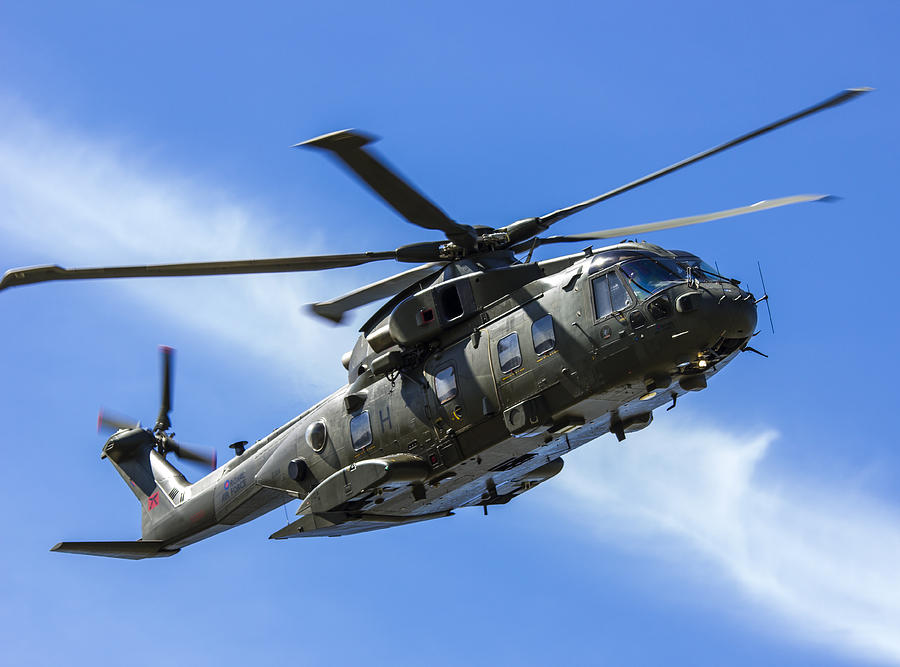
{"x": 617, "y": 293}
{"x": 602, "y": 304}
{"x": 610, "y": 295}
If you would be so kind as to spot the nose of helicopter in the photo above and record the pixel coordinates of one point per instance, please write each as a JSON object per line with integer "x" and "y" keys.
{"x": 727, "y": 311}
{"x": 738, "y": 313}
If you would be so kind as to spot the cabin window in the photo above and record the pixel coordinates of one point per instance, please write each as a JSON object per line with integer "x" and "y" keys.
{"x": 508, "y": 352}
{"x": 361, "y": 431}
{"x": 609, "y": 295}
{"x": 445, "y": 384}
{"x": 542, "y": 335}
{"x": 316, "y": 434}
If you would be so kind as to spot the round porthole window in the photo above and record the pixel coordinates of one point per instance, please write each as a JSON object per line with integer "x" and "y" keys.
{"x": 316, "y": 435}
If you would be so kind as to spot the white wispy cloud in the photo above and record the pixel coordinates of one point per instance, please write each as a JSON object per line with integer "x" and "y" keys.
{"x": 80, "y": 200}
{"x": 824, "y": 559}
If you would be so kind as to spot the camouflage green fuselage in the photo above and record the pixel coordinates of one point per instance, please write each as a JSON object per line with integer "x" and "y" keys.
{"x": 519, "y": 394}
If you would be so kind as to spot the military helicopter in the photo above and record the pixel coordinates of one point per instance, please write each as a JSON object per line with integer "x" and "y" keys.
{"x": 467, "y": 386}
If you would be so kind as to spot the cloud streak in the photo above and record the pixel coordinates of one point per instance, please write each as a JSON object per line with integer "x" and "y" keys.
{"x": 84, "y": 201}
{"x": 823, "y": 559}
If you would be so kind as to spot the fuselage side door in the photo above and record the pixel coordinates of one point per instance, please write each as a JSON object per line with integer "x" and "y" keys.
{"x": 458, "y": 378}
{"x": 512, "y": 358}
{"x": 461, "y": 393}
{"x": 609, "y": 304}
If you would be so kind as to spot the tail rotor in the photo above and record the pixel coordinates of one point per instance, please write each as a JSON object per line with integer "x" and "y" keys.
{"x": 161, "y": 434}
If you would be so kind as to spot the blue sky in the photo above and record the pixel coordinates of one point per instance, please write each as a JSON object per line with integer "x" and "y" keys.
{"x": 756, "y": 523}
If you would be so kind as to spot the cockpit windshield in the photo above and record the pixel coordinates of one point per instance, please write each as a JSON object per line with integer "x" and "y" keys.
{"x": 648, "y": 276}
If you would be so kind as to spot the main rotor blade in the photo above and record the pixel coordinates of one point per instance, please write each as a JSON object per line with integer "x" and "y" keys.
{"x": 840, "y": 98}
{"x": 347, "y": 146}
{"x": 335, "y": 308}
{"x": 621, "y": 232}
{"x": 162, "y": 421}
{"x": 39, "y": 274}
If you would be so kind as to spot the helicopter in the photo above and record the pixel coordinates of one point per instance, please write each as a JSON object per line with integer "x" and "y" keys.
{"x": 467, "y": 386}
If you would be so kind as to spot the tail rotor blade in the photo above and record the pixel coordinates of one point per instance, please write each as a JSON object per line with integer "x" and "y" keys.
{"x": 203, "y": 455}
{"x": 162, "y": 421}
{"x": 110, "y": 422}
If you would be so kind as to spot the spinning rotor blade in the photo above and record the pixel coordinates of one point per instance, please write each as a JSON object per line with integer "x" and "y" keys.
{"x": 158, "y": 437}
{"x": 110, "y": 422}
{"x": 162, "y": 421}
{"x": 204, "y": 455}
{"x": 398, "y": 193}
{"x": 621, "y": 232}
{"x": 335, "y": 309}
{"x": 840, "y": 98}
{"x": 39, "y": 274}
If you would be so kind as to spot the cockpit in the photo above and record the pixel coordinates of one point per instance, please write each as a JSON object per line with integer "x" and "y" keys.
{"x": 636, "y": 284}
{"x": 648, "y": 276}
{"x": 651, "y": 269}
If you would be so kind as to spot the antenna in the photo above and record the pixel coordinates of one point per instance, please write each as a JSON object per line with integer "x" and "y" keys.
{"x": 765, "y": 296}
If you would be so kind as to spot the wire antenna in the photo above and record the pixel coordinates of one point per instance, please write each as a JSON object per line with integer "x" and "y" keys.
{"x": 765, "y": 296}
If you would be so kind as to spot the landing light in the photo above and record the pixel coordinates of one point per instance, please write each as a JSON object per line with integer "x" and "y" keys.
{"x": 648, "y": 396}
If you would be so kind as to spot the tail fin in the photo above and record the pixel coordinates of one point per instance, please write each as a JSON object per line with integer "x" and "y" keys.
{"x": 149, "y": 476}
{"x": 129, "y": 452}
{"x": 133, "y": 454}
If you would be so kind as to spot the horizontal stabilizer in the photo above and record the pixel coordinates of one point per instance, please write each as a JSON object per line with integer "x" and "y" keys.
{"x": 131, "y": 550}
